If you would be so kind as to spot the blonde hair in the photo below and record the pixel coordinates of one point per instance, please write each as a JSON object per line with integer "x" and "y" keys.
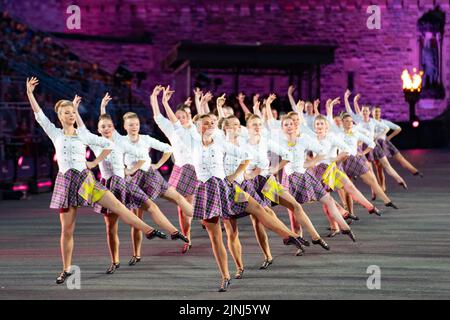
{"x": 292, "y": 113}
{"x": 62, "y": 104}
{"x": 250, "y": 116}
{"x": 285, "y": 117}
{"x": 130, "y": 115}
{"x": 227, "y": 119}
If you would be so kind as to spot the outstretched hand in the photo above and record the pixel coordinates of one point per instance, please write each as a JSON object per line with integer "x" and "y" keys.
{"x": 157, "y": 90}
{"x": 347, "y": 94}
{"x": 106, "y": 99}
{"x": 220, "y": 101}
{"x": 271, "y": 98}
{"x": 357, "y": 97}
{"x": 291, "y": 90}
{"x": 76, "y": 102}
{"x": 167, "y": 94}
{"x": 32, "y": 84}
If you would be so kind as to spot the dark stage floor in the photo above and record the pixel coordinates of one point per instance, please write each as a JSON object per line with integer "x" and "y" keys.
{"x": 411, "y": 246}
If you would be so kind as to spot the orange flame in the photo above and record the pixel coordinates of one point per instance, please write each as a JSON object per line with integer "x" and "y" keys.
{"x": 414, "y": 82}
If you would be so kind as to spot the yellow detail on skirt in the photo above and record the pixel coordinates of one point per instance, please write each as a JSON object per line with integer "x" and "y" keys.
{"x": 89, "y": 190}
{"x": 333, "y": 177}
{"x": 272, "y": 190}
{"x": 240, "y": 195}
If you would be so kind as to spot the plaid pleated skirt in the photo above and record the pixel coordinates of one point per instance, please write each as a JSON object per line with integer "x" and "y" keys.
{"x": 304, "y": 187}
{"x": 389, "y": 149}
{"x": 376, "y": 154}
{"x": 184, "y": 179}
{"x": 126, "y": 192}
{"x": 354, "y": 166}
{"x": 337, "y": 177}
{"x": 215, "y": 198}
{"x": 66, "y": 191}
{"x": 259, "y": 183}
{"x": 151, "y": 182}
{"x": 249, "y": 187}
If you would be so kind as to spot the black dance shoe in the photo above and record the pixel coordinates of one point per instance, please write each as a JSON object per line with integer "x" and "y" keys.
{"x": 239, "y": 274}
{"x": 224, "y": 285}
{"x": 62, "y": 277}
{"x": 333, "y": 233}
{"x": 295, "y": 241}
{"x": 322, "y": 243}
{"x": 403, "y": 185}
{"x": 155, "y": 233}
{"x": 376, "y": 211}
{"x": 418, "y": 173}
{"x": 391, "y": 204}
{"x": 374, "y": 197}
{"x": 299, "y": 253}
{"x": 266, "y": 264}
{"x": 134, "y": 260}
{"x": 351, "y": 216}
{"x": 178, "y": 235}
{"x": 186, "y": 248}
{"x": 350, "y": 234}
{"x": 113, "y": 268}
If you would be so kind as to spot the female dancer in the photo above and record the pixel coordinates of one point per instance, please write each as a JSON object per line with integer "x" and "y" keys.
{"x": 302, "y": 185}
{"x": 389, "y": 149}
{"x": 355, "y": 165}
{"x": 215, "y": 197}
{"x": 75, "y": 185}
{"x": 259, "y": 173}
{"x": 362, "y": 118}
{"x": 327, "y": 170}
{"x": 148, "y": 177}
{"x": 183, "y": 177}
{"x": 113, "y": 173}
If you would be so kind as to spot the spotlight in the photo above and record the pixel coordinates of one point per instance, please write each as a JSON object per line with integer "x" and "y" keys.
{"x": 415, "y": 123}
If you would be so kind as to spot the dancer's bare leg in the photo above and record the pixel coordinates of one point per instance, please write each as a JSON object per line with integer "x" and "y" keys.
{"x": 174, "y": 196}
{"x": 67, "y": 230}
{"x": 215, "y": 235}
{"x": 234, "y": 244}
{"x": 112, "y": 232}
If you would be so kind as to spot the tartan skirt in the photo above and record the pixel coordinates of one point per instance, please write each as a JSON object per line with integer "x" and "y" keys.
{"x": 389, "y": 149}
{"x": 304, "y": 187}
{"x": 249, "y": 187}
{"x": 67, "y": 185}
{"x": 126, "y": 192}
{"x": 320, "y": 169}
{"x": 215, "y": 198}
{"x": 151, "y": 182}
{"x": 376, "y": 154}
{"x": 184, "y": 179}
{"x": 258, "y": 183}
{"x": 354, "y": 166}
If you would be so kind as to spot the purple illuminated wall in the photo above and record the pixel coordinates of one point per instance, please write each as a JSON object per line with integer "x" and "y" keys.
{"x": 377, "y": 57}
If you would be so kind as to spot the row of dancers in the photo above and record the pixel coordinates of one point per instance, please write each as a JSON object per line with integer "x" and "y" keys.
{"x": 222, "y": 171}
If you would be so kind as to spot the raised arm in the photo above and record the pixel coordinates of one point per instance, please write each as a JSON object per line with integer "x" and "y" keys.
{"x": 198, "y": 94}
{"x": 290, "y": 93}
{"x": 76, "y": 104}
{"x": 241, "y": 98}
{"x": 269, "y": 101}
{"x": 154, "y": 100}
{"x": 106, "y": 99}
{"x": 220, "y": 102}
{"x": 316, "y": 107}
{"x": 31, "y": 85}
{"x": 348, "y": 108}
{"x": 167, "y": 94}
{"x": 356, "y": 104}
{"x": 204, "y": 102}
